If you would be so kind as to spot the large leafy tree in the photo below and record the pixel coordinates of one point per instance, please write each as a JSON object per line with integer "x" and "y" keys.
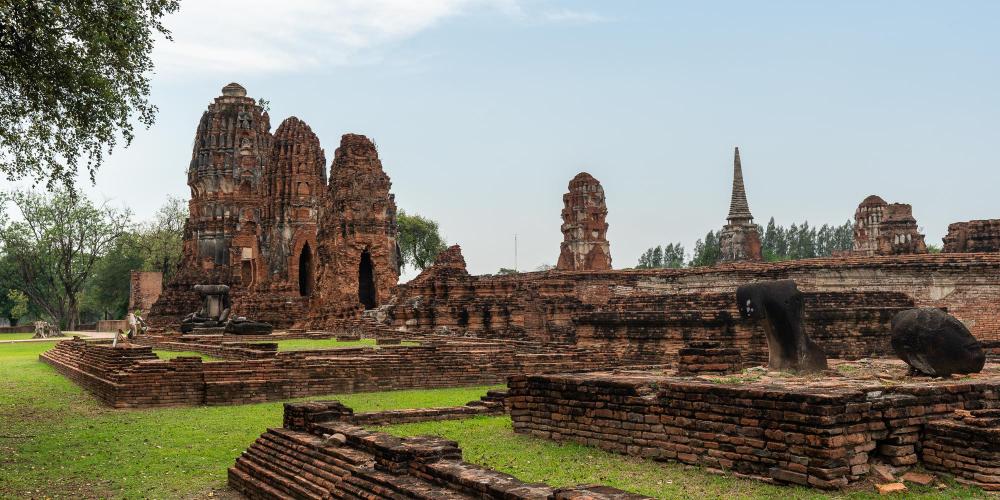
{"x": 74, "y": 74}
{"x": 420, "y": 241}
{"x": 161, "y": 240}
{"x": 55, "y": 242}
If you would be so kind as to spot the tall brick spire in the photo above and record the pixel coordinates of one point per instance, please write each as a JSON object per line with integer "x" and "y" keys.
{"x": 739, "y": 210}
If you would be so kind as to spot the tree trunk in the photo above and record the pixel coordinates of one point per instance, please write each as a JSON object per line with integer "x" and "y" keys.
{"x": 72, "y": 314}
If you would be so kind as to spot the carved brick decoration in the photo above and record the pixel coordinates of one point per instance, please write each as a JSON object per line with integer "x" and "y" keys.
{"x": 881, "y": 228}
{"x": 739, "y": 238}
{"x": 296, "y": 184}
{"x": 253, "y": 214}
{"x": 585, "y": 244}
{"x": 973, "y": 236}
{"x": 359, "y": 259}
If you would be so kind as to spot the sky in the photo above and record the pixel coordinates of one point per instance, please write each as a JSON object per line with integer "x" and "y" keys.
{"x": 483, "y": 110}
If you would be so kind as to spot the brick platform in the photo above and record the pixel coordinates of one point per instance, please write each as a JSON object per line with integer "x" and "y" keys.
{"x": 555, "y": 305}
{"x": 132, "y": 376}
{"x": 814, "y": 432}
{"x": 966, "y": 444}
{"x": 317, "y": 456}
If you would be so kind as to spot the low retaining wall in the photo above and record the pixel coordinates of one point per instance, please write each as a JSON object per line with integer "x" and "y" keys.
{"x": 132, "y": 376}
{"x": 967, "y": 444}
{"x": 111, "y": 325}
{"x": 17, "y": 329}
{"x": 314, "y": 457}
{"x": 809, "y": 435}
{"x": 305, "y": 414}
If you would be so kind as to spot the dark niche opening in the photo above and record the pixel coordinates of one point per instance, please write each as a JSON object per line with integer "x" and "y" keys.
{"x": 366, "y": 281}
{"x": 305, "y": 271}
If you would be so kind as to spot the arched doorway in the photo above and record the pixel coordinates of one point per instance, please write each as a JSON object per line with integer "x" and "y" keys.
{"x": 366, "y": 280}
{"x": 305, "y": 271}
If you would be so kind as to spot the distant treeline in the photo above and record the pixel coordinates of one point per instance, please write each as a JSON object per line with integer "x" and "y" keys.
{"x": 798, "y": 241}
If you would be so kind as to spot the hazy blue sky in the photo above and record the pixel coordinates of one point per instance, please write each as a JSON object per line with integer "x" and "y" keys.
{"x": 483, "y": 110}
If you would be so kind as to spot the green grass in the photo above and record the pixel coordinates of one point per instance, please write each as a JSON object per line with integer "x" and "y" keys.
{"x": 15, "y": 336}
{"x": 168, "y": 355}
{"x": 310, "y": 344}
{"x": 57, "y": 441}
{"x": 491, "y": 442}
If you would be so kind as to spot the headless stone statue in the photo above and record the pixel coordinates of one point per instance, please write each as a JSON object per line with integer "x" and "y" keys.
{"x": 935, "y": 343}
{"x": 780, "y": 305}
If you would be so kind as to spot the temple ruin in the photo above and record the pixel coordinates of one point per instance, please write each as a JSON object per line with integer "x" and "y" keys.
{"x": 739, "y": 238}
{"x": 265, "y": 222}
{"x": 700, "y": 365}
{"x": 973, "y": 236}
{"x": 585, "y": 244}
{"x": 881, "y": 228}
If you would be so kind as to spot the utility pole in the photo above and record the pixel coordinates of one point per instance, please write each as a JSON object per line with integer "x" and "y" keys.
{"x": 515, "y": 252}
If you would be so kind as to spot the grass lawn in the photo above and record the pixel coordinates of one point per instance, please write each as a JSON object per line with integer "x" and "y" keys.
{"x": 15, "y": 336}
{"x": 490, "y": 441}
{"x": 167, "y": 355}
{"x": 57, "y": 441}
{"x": 309, "y": 344}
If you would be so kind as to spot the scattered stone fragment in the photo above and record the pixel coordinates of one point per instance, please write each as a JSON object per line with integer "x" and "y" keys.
{"x": 918, "y": 478}
{"x": 890, "y": 488}
{"x": 883, "y": 473}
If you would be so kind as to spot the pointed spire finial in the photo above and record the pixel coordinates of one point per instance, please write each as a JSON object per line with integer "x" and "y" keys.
{"x": 739, "y": 210}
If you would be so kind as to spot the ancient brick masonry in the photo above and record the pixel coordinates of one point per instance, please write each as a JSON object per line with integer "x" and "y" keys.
{"x": 739, "y": 238}
{"x": 802, "y": 434}
{"x": 881, "y": 228}
{"x": 966, "y": 444}
{"x": 132, "y": 376}
{"x": 585, "y": 244}
{"x": 253, "y": 212}
{"x": 265, "y": 222}
{"x": 318, "y": 455}
{"x": 554, "y": 306}
{"x": 295, "y": 187}
{"x": 358, "y": 256}
{"x": 707, "y": 357}
{"x": 973, "y": 236}
{"x": 145, "y": 288}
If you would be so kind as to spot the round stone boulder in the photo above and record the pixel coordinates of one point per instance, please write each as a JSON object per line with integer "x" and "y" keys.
{"x": 935, "y": 343}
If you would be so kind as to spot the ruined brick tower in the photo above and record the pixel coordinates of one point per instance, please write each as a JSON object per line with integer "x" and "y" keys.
{"x": 359, "y": 259}
{"x": 232, "y": 146}
{"x": 252, "y": 215}
{"x": 296, "y": 184}
{"x": 881, "y": 228}
{"x": 739, "y": 238}
{"x": 973, "y": 236}
{"x": 585, "y": 244}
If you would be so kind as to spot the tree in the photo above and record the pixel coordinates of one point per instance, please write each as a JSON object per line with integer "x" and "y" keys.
{"x": 506, "y": 271}
{"x": 545, "y": 267}
{"x": 55, "y": 245}
{"x": 160, "y": 242}
{"x": 673, "y": 256}
{"x": 419, "y": 240}
{"x": 106, "y": 293}
{"x": 657, "y": 260}
{"x": 74, "y": 75}
{"x": 19, "y": 305}
{"x": 707, "y": 252}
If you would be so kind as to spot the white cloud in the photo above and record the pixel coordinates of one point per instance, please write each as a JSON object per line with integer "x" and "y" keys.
{"x": 267, "y": 36}
{"x": 573, "y": 16}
